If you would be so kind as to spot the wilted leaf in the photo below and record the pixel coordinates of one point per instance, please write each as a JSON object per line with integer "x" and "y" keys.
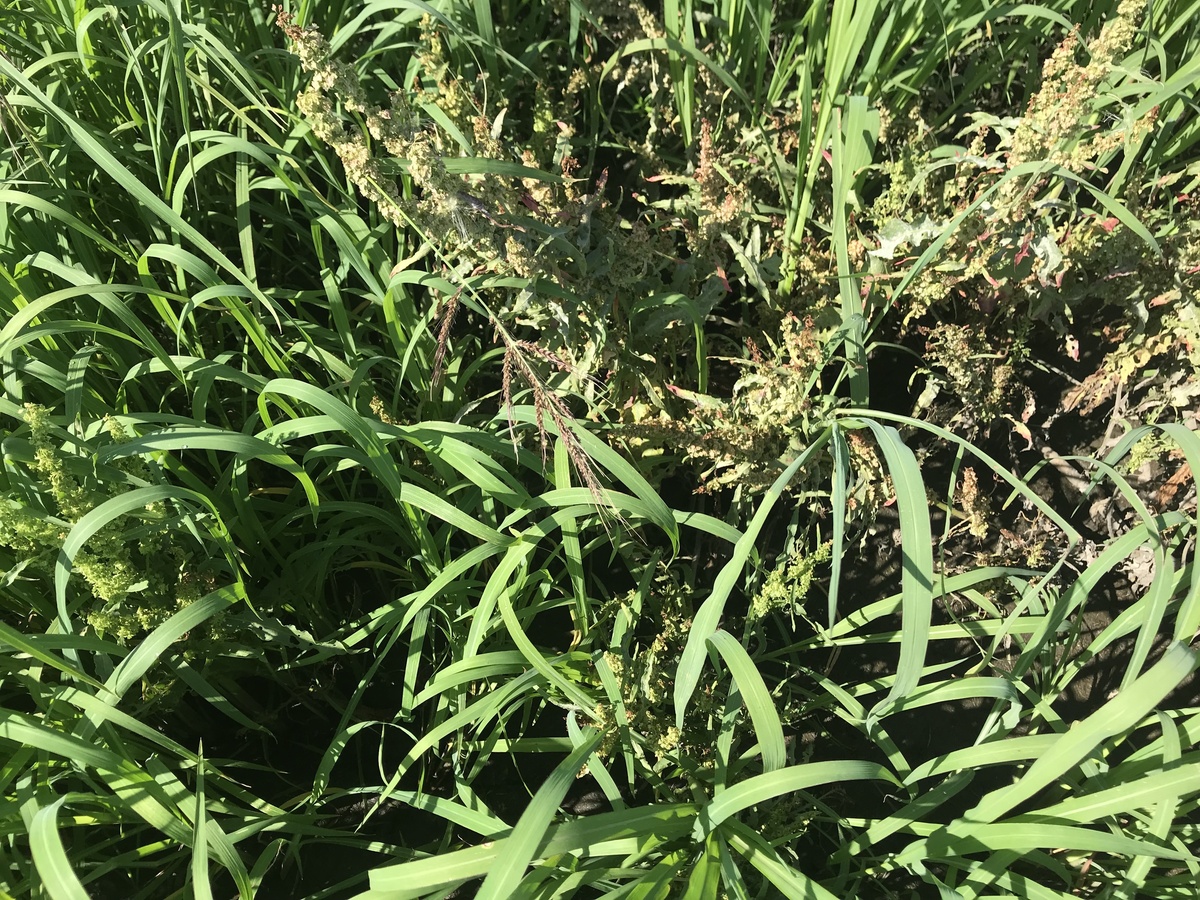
{"x": 898, "y": 232}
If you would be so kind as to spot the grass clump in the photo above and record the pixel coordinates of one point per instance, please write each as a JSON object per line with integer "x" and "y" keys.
{"x": 541, "y": 450}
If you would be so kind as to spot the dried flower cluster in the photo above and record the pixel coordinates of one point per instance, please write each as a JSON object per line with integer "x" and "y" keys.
{"x": 1026, "y": 246}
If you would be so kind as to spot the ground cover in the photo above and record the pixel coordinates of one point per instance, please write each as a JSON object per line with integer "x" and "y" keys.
{"x": 544, "y": 449}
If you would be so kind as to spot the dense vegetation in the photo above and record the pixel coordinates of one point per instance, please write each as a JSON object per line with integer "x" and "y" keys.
{"x": 580, "y": 449}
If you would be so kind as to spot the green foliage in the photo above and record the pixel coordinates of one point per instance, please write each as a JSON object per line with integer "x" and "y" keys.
{"x": 1048, "y": 217}
{"x": 787, "y": 586}
{"x": 357, "y": 375}
{"x": 524, "y": 246}
{"x": 138, "y": 573}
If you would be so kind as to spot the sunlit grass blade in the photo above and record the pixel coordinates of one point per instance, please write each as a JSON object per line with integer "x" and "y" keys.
{"x": 1165, "y": 804}
{"x": 706, "y": 873}
{"x": 854, "y": 139}
{"x": 134, "y": 787}
{"x": 530, "y": 830}
{"x": 615, "y": 833}
{"x": 917, "y": 577}
{"x": 50, "y": 858}
{"x": 1010, "y": 751}
{"x": 757, "y": 697}
{"x": 620, "y": 468}
{"x": 1027, "y": 836}
{"x": 131, "y": 669}
{"x": 914, "y": 811}
{"x": 841, "y": 478}
{"x": 199, "y": 865}
{"x": 1141, "y": 793}
{"x": 1115, "y": 717}
{"x": 768, "y": 862}
{"x": 94, "y": 521}
{"x": 704, "y": 625}
{"x": 31, "y": 645}
{"x": 771, "y": 785}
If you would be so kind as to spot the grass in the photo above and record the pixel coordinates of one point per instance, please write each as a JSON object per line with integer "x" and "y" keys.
{"x": 506, "y": 450}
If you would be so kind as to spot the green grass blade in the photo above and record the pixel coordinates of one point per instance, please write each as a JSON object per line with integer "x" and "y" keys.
{"x": 50, "y": 858}
{"x": 201, "y": 888}
{"x": 841, "y": 479}
{"x": 770, "y": 785}
{"x": 918, "y": 576}
{"x": 531, "y": 828}
{"x": 704, "y": 625}
{"x": 757, "y": 697}
{"x": 705, "y": 875}
{"x": 106, "y": 162}
{"x": 615, "y": 833}
{"x": 31, "y": 646}
{"x": 912, "y": 812}
{"x": 1114, "y": 718}
{"x": 771, "y": 865}
{"x": 1028, "y": 836}
{"x": 152, "y": 648}
{"x": 853, "y": 147}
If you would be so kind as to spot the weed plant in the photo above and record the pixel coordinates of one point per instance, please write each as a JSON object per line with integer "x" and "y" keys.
{"x": 599, "y": 450}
